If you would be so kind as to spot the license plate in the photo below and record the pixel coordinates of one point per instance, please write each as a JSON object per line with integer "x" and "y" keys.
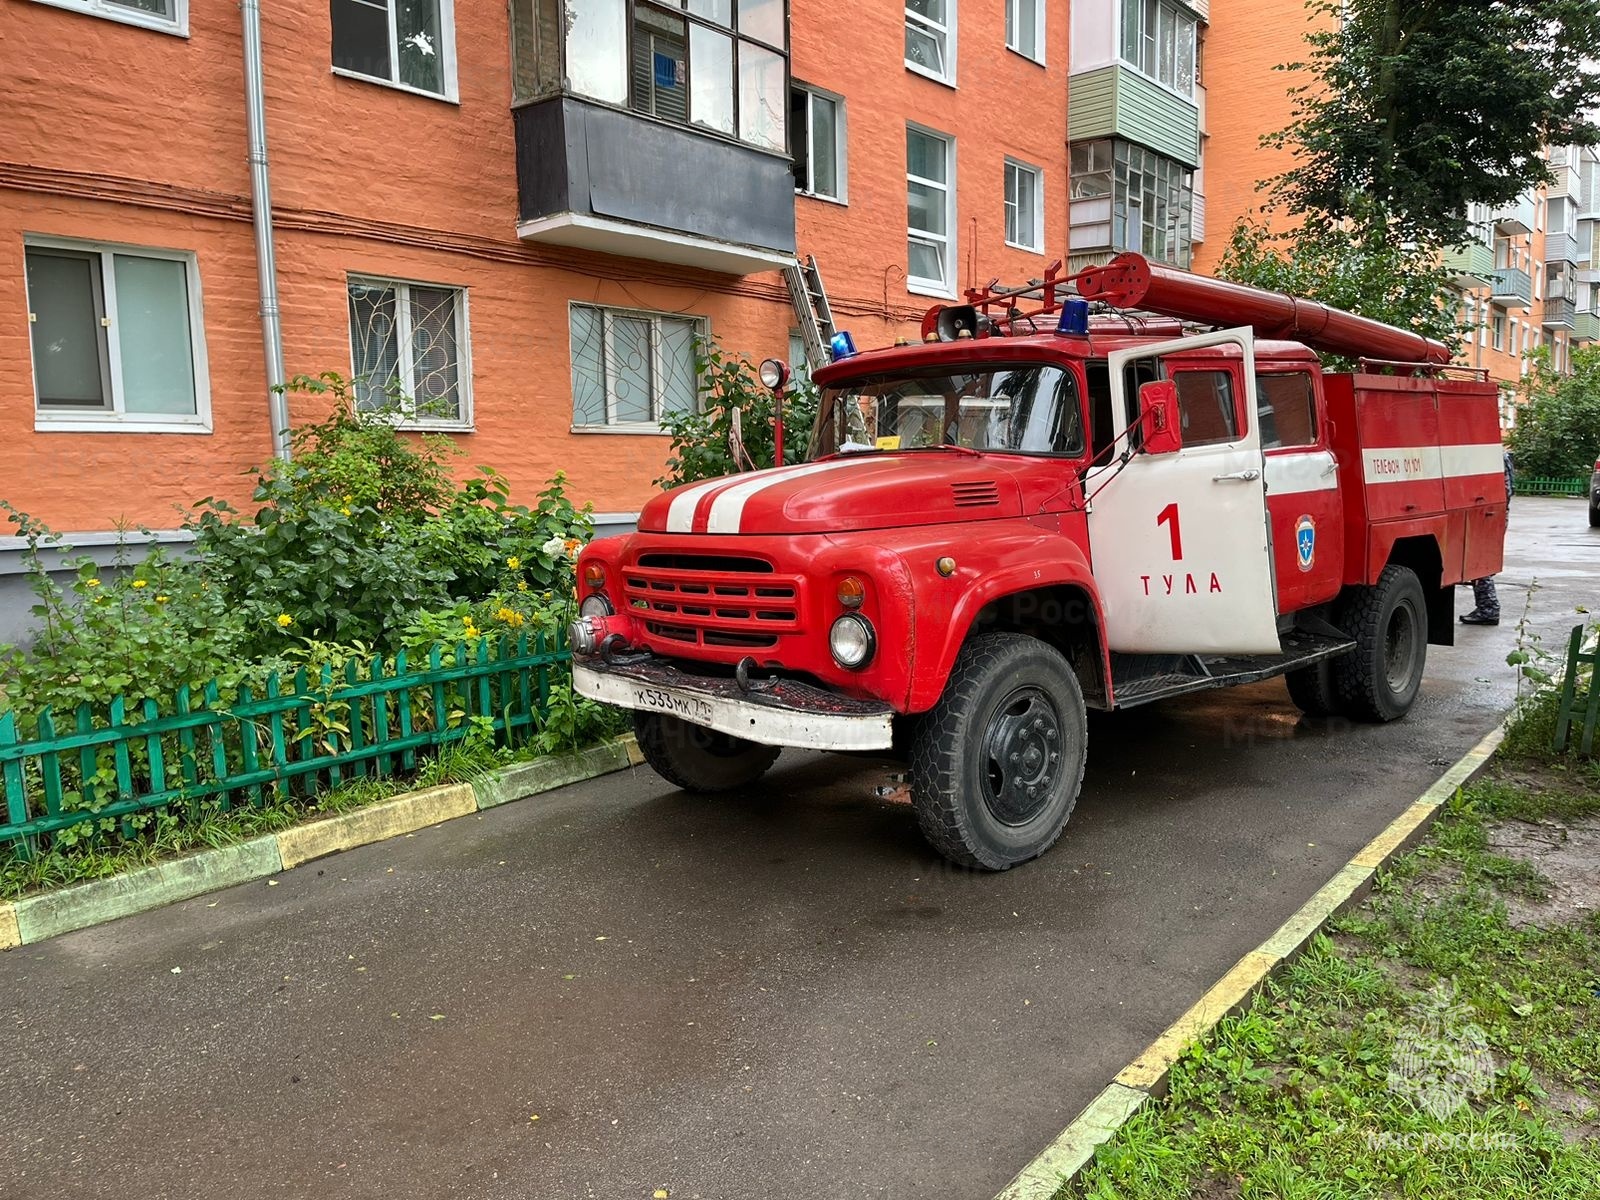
{"x": 690, "y": 708}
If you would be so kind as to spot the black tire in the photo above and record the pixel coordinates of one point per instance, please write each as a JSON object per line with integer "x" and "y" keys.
{"x": 1594, "y": 515}
{"x": 1011, "y": 701}
{"x": 698, "y": 759}
{"x": 1311, "y": 688}
{"x": 1379, "y": 680}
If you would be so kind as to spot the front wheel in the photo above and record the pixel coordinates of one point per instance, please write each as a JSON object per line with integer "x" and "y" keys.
{"x": 997, "y": 764}
{"x": 698, "y": 759}
{"x": 1380, "y": 679}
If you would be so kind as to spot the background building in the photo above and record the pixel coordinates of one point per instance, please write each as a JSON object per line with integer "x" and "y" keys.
{"x": 521, "y": 215}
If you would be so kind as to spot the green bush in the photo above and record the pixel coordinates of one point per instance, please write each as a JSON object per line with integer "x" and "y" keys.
{"x": 361, "y": 531}
{"x": 1557, "y": 435}
{"x": 702, "y": 441}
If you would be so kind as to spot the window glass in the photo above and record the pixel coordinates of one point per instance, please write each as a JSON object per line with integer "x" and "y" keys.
{"x": 420, "y": 42}
{"x": 407, "y": 348}
{"x": 631, "y": 368}
{"x": 153, "y": 336}
{"x": 927, "y": 208}
{"x": 660, "y": 64}
{"x": 361, "y": 37}
{"x": 113, "y": 334}
{"x": 763, "y": 20}
{"x": 763, "y": 98}
{"x": 1031, "y": 409}
{"x": 1022, "y": 200}
{"x": 711, "y": 83}
{"x": 824, "y": 147}
{"x": 927, "y": 34}
{"x": 64, "y": 299}
{"x": 400, "y": 41}
{"x": 1206, "y": 408}
{"x": 161, "y": 8}
{"x": 720, "y": 11}
{"x": 1286, "y": 410}
{"x": 1022, "y": 27}
{"x": 596, "y": 32}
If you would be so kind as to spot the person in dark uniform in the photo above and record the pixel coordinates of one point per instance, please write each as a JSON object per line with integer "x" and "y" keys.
{"x": 1485, "y": 600}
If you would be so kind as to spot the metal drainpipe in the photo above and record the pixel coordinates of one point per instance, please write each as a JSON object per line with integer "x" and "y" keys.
{"x": 261, "y": 205}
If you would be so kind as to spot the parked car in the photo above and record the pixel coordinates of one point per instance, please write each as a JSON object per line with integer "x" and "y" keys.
{"x": 1594, "y": 496}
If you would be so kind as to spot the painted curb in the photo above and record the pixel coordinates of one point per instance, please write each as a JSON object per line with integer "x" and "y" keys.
{"x": 1145, "y": 1078}
{"x": 377, "y": 823}
{"x": 35, "y": 918}
{"x": 45, "y": 916}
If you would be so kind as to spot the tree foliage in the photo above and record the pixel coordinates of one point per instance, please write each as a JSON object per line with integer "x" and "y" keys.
{"x": 1364, "y": 270}
{"x": 1558, "y": 422}
{"x": 1417, "y": 108}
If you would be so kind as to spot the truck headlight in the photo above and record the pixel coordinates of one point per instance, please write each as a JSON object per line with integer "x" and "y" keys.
{"x": 595, "y": 605}
{"x": 852, "y": 641}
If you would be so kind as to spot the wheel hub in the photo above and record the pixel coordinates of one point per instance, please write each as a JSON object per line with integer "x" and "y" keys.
{"x": 1400, "y": 649}
{"x": 1021, "y": 756}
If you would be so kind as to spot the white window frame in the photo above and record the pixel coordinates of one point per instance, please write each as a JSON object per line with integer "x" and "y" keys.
{"x": 1037, "y": 232}
{"x": 941, "y": 288}
{"x": 114, "y": 419}
{"x": 177, "y": 24}
{"x": 841, "y": 142}
{"x": 945, "y": 35}
{"x": 447, "y": 56}
{"x": 1013, "y": 15}
{"x": 1180, "y": 10}
{"x": 608, "y": 315}
{"x": 407, "y": 417}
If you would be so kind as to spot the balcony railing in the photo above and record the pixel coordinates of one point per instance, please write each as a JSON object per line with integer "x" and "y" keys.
{"x": 1471, "y": 266}
{"x": 1511, "y": 287}
{"x": 1560, "y": 247}
{"x": 1559, "y": 314}
{"x": 1586, "y": 327}
{"x": 1514, "y": 219}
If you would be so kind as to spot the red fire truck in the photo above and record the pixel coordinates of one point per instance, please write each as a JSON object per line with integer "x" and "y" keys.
{"x": 1021, "y": 517}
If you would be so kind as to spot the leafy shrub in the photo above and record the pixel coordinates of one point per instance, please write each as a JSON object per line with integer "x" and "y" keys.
{"x": 702, "y": 441}
{"x": 1557, "y": 435}
{"x": 140, "y": 631}
{"x": 361, "y": 531}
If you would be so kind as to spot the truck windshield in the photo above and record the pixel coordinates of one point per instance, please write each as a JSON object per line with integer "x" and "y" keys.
{"x": 1029, "y": 409}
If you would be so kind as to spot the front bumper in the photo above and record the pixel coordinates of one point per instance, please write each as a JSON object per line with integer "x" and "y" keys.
{"x": 784, "y": 713}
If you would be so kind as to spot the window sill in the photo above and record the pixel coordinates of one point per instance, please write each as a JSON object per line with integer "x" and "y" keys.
{"x": 1039, "y": 250}
{"x": 627, "y": 430}
{"x": 443, "y": 97}
{"x": 926, "y": 287}
{"x": 841, "y": 201}
{"x": 1038, "y": 62}
{"x": 116, "y": 423}
{"x": 915, "y": 69}
{"x": 150, "y": 21}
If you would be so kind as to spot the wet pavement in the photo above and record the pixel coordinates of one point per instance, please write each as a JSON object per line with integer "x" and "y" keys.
{"x": 619, "y": 987}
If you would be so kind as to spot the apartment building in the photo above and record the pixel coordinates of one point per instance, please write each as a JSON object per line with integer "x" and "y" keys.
{"x": 1136, "y": 124}
{"x": 521, "y": 216}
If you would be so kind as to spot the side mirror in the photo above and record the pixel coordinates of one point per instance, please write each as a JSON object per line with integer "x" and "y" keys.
{"x": 1158, "y": 418}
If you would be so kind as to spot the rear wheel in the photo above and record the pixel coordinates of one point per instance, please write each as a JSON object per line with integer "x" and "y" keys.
{"x": 698, "y": 759}
{"x": 996, "y": 765}
{"x": 1594, "y": 515}
{"x": 1380, "y": 679}
{"x": 1311, "y": 689}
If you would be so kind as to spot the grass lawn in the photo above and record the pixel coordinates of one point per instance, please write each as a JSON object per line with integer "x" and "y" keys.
{"x": 1441, "y": 1040}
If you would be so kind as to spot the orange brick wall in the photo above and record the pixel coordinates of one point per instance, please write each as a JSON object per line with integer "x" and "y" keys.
{"x": 1246, "y": 97}
{"x": 126, "y": 135}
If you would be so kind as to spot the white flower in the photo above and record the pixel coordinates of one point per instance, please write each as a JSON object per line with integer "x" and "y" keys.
{"x": 555, "y": 546}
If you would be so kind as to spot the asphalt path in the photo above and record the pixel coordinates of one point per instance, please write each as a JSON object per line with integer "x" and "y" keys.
{"x": 619, "y": 988}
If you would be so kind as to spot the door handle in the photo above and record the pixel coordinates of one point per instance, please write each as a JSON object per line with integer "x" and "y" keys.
{"x": 1330, "y": 469}
{"x": 1249, "y": 476}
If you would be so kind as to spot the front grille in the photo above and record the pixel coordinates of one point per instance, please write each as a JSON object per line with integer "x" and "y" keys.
{"x": 978, "y": 494}
{"x": 711, "y": 600}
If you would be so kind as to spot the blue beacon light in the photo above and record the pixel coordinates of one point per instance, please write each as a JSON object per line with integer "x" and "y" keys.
{"x": 1074, "y": 317}
{"x": 843, "y": 346}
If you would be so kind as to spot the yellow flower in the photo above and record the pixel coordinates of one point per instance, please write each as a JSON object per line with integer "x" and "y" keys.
{"x": 509, "y": 616}
{"x": 91, "y": 583}
{"x": 514, "y": 563}
{"x": 345, "y": 511}
{"x": 472, "y": 631}
{"x": 467, "y": 621}
{"x": 547, "y": 595}
{"x": 162, "y": 599}
{"x": 522, "y": 585}
{"x": 285, "y": 620}
{"x": 348, "y": 499}
{"x": 141, "y": 583}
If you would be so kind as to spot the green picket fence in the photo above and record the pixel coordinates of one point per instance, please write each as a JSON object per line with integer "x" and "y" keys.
{"x": 296, "y": 738}
{"x": 1582, "y": 711}
{"x": 1552, "y": 487}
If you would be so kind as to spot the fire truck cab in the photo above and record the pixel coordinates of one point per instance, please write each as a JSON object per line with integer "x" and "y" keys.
{"x": 1012, "y": 522}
